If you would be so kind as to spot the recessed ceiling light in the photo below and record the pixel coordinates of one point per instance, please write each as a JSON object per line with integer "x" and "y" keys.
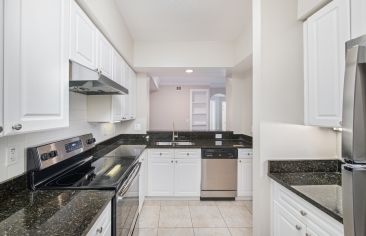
{"x": 189, "y": 71}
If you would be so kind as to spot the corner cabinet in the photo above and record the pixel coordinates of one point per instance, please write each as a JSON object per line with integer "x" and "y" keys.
{"x": 292, "y": 215}
{"x": 36, "y": 65}
{"x": 325, "y": 34}
{"x": 174, "y": 172}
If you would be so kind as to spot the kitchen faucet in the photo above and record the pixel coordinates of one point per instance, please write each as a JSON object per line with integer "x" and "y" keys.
{"x": 175, "y": 135}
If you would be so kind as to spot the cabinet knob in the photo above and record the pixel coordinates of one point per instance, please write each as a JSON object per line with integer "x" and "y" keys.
{"x": 239, "y": 161}
{"x": 17, "y": 127}
{"x": 298, "y": 227}
{"x": 307, "y": 234}
{"x": 303, "y": 213}
{"x": 187, "y": 153}
{"x": 160, "y": 153}
{"x": 100, "y": 230}
{"x": 176, "y": 161}
{"x": 172, "y": 161}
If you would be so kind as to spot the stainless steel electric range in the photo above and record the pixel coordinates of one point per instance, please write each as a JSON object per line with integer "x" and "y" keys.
{"x": 76, "y": 163}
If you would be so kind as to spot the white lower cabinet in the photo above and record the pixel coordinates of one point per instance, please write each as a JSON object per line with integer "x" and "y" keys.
{"x": 143, "y": 179}
{"x": 245, "y": 166}
{"x": 170, "y": 174}
{"x": 292, "y": 215}
{"x": 103, "y": 225}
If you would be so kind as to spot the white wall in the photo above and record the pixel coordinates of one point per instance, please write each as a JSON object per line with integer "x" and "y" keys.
{"x": 239, "y": 102}
{"x": 78, "y": 126}
{"x": 105, "y": 14}
{"x": 278, "y": 101}
{"x": 183, "y": 54}
{"x": 243, "y": 46}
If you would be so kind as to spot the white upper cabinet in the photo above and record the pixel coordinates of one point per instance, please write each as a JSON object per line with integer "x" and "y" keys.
{"x": 83, "y": 38}
{"x": 325, "y": 34}
{"x": 358, "y": 18}
{"x": 132, "y": 94}
{"x": 1, "y": 67}
{"x": 126, "y": 106}
{"x": 105, "y": 56}
{"x": 36, "y": 65}
{"x": 118, "y": 74}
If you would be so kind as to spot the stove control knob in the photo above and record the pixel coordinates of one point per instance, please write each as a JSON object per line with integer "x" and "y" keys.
{"x": 52, "y": 154}
{"x": 90, "y": 141}
{"x": 44, "y": 156}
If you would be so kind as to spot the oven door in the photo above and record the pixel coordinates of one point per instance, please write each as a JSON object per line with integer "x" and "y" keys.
{"x": 127, "y": 203}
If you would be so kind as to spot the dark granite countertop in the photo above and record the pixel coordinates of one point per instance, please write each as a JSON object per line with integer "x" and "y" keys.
{"x": 51, "y": 212}
{"x": 316, "y": 181}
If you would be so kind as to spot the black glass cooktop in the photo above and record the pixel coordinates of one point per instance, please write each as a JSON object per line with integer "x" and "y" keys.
{"x": 105, "y": 172}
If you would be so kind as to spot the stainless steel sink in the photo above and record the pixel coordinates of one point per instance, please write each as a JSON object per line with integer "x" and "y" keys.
{"x": 177, "y": 143}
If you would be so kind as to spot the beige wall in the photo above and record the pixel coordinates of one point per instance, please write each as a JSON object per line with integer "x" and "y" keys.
{"x": 167, "y": 105}
{"x": 278, "y": 101}
{"x": 239, "y": 102}
{"x": 105, "y": 14}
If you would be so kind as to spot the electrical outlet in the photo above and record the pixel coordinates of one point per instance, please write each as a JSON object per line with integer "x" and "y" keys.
{"x": 138, "y": 126}
{"x": 218, "y": 136}
{"x": 11, "y": 156}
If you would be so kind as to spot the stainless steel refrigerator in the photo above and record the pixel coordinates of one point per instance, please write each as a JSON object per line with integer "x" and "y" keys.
{"x": 354, "y": 139}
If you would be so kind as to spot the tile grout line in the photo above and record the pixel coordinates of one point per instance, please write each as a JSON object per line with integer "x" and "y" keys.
{"x": 218, "y": 207}
{"x": 190, "y": 215}
{"x": 157, "y": 229}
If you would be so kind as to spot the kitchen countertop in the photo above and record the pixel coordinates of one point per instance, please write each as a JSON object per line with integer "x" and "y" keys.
{"x": 316, "y": 181}
{"x": 51, "y": 212}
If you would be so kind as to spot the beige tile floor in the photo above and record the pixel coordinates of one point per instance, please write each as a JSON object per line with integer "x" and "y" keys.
{"x": 195, "y": 218}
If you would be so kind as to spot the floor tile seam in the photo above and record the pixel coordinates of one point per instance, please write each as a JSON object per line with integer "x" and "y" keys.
{"x": 224, "y": 221}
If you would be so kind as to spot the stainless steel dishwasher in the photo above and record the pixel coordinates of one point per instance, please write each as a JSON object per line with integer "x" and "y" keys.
{"x": 219, "y": 173}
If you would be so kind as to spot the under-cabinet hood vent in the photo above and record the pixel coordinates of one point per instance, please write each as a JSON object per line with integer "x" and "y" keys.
{"x": 92, "y": 82}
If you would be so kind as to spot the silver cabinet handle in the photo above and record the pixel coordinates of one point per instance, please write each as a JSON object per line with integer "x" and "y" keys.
{"x": 298, "y": 227}
{"x": 17, "y": 127}
{"x": 303, "y": 213}
{"x": 100, "y": 230}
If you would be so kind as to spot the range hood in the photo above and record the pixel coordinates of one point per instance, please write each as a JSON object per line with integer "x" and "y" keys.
{"x": 92, "y": 82}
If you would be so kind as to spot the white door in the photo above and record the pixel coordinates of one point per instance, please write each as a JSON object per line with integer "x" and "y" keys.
{"x": 187, "y": 177}
{"x": 117, "y": 77}
{"x": 285, "y": 224}
{"x": 161, "y": 176}
{"x": 105, "y": 56}
{"x": 36, "y": 65}
{"x": 325, "y": 34}
{"x": 358, "y": 18}
{"x": 245, "y": 178}
{"x": 1, "y": 68}
{"x": 83, "y": 36}
{"x": 126, "y": 98}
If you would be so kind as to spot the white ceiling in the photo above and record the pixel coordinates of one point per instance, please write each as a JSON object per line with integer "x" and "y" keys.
{"x": 186, "y": 20}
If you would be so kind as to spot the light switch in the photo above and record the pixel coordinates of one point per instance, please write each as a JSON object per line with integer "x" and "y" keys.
{"x": 138, "y": 126}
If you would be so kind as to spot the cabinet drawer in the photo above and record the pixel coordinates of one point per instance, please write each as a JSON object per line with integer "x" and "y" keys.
{"x": 187, "y": 153}
{"x": 245, "y": 153}
{"x": 161, "y": 153}
{"x": 103, "y": 224}
{"x": 306, "y": 212}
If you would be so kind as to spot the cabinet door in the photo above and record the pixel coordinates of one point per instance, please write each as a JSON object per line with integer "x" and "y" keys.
{"x": 133, "y": 96}
{"x": 285, "y": 224}
{"x": 117, "y": 77}
{"x": 1, "y": 68}
{"x": 325, "y": 34}
{"x": 36, "y": 65}
{"x": 82, "y": 38}
{"x": 187, "y": 177}
{"x": 358, "y": 18}
{"x": 245, "y": 178}
{"x": 105, "y": 56}
{"x": 126, "y": 107}
{"x": 161, "y": 176}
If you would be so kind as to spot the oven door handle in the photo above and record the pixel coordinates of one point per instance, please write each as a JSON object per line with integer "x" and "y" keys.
{"x": 129, "y": 181}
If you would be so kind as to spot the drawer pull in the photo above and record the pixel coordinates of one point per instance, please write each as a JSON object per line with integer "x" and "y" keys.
{"x": 100, "y": 230}
{"x": 298, "y": 227}
{"x": 303, "y": 213}
{"x": 172, "y": 161}
{"x": 160, "y": 154}
{"x": 187, "y": 153}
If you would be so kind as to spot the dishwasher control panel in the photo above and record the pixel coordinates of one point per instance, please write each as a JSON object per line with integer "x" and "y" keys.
{"x": 219, "y": 153}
